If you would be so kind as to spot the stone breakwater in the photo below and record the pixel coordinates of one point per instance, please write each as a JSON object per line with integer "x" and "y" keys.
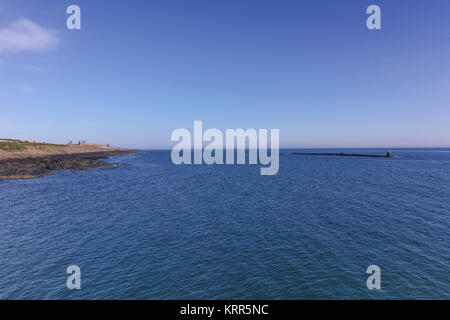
{"x": 40, "y": 166}
{"x": 388, "y": 154}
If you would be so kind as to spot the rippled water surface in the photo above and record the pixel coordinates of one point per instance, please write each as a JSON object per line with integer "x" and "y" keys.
{"x": 151, "y": 230}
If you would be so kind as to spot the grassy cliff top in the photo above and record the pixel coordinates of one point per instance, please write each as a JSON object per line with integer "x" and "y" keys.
{"x": 11, "y": 145}
{"x": 10, "y": 148}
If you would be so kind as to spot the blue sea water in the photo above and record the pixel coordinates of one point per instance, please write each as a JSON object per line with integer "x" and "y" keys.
{"x": 148, "y": 229}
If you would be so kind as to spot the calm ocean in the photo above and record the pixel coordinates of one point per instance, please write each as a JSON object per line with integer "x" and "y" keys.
{"x": 151, "y": 230}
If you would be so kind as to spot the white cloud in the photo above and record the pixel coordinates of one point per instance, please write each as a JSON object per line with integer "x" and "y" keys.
{"x": 25, "y": 88}
{"x": 34, "y": 68}
{"x": 25, "y": 35}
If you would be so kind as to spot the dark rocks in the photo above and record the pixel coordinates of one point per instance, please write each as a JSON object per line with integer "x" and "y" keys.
{"x": 44, "y": 165}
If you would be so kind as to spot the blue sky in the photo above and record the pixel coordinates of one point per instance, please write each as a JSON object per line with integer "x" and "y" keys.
{"x": 137, "y": 70}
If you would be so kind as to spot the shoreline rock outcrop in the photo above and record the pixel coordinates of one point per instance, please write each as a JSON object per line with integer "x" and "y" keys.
{"x": 44, "y": 165}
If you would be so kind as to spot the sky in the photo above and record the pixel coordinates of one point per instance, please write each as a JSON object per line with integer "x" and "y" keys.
{"x": 137, "y": 70}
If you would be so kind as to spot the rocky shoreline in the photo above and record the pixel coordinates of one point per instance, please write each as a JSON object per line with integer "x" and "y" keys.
{"x": 44, "y": 165}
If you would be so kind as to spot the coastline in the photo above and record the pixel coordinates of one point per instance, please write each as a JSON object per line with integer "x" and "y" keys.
{"x": 28, "y": 166}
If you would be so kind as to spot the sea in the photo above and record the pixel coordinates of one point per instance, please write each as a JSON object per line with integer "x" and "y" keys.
{"x": 149, "y": 229}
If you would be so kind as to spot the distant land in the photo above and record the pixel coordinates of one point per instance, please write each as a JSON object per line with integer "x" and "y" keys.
{"x": 31, "y": 159}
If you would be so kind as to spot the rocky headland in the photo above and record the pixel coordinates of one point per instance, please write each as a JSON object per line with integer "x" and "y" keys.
{"x": 22, "y": 160}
